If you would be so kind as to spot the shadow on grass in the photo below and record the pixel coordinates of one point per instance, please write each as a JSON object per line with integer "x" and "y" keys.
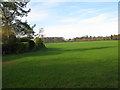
{"x": 47, "y": 52}
{"x": 43, "y": 52}
{"x": 86, "y": 49}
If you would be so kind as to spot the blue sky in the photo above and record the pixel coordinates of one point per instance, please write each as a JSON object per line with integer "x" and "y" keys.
{"x": 74, "y": 19}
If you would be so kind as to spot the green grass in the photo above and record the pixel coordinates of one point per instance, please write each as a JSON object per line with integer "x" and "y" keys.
{"x": 64, "y": 65}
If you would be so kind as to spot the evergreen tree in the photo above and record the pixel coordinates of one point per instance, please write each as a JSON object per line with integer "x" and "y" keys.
{"x": 11, "y": 25}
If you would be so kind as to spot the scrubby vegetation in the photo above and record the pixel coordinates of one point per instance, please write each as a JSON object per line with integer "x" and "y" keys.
{"x": 22, "y": 45}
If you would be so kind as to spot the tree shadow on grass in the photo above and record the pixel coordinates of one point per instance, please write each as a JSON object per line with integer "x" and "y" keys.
{"x": 42, "y": 52}
{"x": 86, "y": 49}
{"x": 47, "y": 52}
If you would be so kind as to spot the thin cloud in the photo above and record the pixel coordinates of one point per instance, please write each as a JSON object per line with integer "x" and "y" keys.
{"x": 40, "y": 11}
{"x": 85, "y": 12}
{"x": 78, "y": 30}
{"x": 36, "y": 16}
{"x": 100, "y": 18}
{"x": 68, "y": 20}
{"x": 96, "y": 26}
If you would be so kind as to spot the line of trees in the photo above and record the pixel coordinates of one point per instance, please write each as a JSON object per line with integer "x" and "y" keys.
{"x": 93, "y": 38}
{"x": 52, "y": 39}
{"x": 83, "y": 38}
{"x": 16, "y": 34}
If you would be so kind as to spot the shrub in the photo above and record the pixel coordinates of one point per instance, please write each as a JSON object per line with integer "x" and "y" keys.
{"x": 31, "y": 44}
{"x": 9, "y": 48}
{"x": 39, "y": 43}
{"x": 24, "y": 39}
{"x": 22, "y": 47}
{"x": 15, "y": 48}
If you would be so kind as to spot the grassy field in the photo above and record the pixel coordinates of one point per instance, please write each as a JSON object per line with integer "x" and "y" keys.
{"x": 64, "y": 65}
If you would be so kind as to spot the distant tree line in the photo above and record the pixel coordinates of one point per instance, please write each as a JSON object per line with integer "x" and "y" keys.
{"x": 98, "y": 38}
{"x": 53, "y": 39}
{"x": 83, "y": 38}
{"x": 17, "y": 36}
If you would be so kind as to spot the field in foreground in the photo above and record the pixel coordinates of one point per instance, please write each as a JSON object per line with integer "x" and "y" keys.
{"x": 64, "y": 65}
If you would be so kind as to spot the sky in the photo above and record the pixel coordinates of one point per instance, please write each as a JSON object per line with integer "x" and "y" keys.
{"x": 74, "y": 19}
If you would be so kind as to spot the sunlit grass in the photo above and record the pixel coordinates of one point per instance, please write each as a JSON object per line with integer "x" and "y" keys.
{"x": 64, "y": 65}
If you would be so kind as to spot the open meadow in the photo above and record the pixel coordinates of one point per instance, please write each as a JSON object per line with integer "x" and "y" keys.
{"x": 92, "y": 64}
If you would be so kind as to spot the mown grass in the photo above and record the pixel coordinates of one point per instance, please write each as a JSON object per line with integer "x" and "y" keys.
{"x": 64, "y": 65}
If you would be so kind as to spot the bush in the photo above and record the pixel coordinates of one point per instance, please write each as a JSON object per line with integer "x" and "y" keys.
{"x": 15, "y": 48}
{"x": 22, "y": 47}
{"x": 31, "y": 44}
{"x": 39, "y": 43}
{"x": 9, "y": 48}
{"x": 24, "y": 39}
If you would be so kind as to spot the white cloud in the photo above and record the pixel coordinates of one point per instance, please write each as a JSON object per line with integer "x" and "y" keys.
{"x": 99, "y": 18}
{"x": 114, "y": 19}
{"x": 69, "y": 20}
{"x": 96, "y": 29}
{"x": 96, "y": 26}
{"x": 36, "y": 16}
{"x": 39, "y": 11}
{"x": 86, "y": 12}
